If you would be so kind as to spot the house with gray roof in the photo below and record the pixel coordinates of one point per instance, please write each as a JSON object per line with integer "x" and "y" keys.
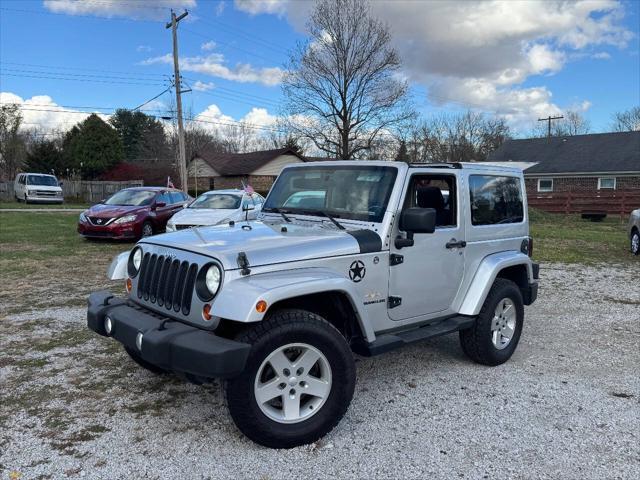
{"x": 582, "y": 166}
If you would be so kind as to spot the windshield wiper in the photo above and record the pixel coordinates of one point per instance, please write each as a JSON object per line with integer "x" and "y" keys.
{"x": 277, "y": 210}
{"x": 322, "y": 213}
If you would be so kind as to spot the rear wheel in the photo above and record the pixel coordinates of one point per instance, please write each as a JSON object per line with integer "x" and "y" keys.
{"x": 635, "y": 242}
{"x": 496, "y": 333}
{"x": 298, "y": 381}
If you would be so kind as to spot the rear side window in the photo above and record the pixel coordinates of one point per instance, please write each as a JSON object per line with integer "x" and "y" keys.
{"x": 495, "y": 200}
{"x": 176, "y": 197}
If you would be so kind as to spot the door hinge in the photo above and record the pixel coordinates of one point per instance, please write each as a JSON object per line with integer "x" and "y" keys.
{"x": 394, "y": 302}
{"x": 395, "y": 259}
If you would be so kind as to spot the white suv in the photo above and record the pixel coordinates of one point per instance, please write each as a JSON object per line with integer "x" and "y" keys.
{"x": 37, "y": 187}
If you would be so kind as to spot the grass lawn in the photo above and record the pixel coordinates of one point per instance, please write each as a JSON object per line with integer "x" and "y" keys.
{"x": 569, "y": 239}
{"x": 22, "y": 205}
{"x": 44, "y": 262}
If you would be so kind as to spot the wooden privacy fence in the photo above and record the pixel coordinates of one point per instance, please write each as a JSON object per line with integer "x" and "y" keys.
{"x": 620, "y": 202}
{"x": 79, "y": 190}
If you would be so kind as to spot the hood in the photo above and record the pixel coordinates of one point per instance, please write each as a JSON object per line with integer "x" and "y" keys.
{"x": 266, "y": 243}
{"x": 109, "y": 211}
{"x": 202, "y": 216}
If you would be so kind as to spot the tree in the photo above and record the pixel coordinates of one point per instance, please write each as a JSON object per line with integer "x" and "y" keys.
{"x": 341, "y": 87}
{"x": 143, "y": 137}
{"x": 572, "y": 123}
{"x": 627, "y": 121}
{"x": 12, "y": 145}
{"x": 45, "y": 156}
{"x": 403, "y": 153}
{"x": 92, "y": 147}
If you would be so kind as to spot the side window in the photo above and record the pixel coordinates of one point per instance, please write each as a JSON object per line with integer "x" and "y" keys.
{"x": 176, "y": 197}
{"x": 495, "y": 200}
{"x": 437, "y": 192}
{"x": 164, "y": 197}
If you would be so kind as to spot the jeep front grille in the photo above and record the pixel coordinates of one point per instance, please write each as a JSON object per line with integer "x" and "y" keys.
{"x": 167, "y": 282}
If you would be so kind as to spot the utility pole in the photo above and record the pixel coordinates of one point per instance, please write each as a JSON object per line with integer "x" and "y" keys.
{"x": 548, "y": 119}
{"x": 182, "y": 160}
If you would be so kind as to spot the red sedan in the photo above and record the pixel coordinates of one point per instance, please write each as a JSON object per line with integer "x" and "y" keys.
{"x": 132, "y": 213}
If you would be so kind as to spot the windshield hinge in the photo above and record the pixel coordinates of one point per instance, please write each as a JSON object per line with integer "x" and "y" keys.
{"x": 395, "y": 259}
{"x": 394, "y": 302}
{"x": 243, "y": 263}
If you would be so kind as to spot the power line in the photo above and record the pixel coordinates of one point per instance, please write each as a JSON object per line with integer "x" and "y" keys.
{"x": 88, "y": 80}
{"x": 59, "y": 67}
{"x": 152, "y": 99}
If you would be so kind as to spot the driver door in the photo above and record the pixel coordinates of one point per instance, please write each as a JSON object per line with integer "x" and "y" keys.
{"x": 424, "y": 279}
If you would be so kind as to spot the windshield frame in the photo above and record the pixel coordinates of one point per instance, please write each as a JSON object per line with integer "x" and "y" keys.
{"x": 343, "y": 215}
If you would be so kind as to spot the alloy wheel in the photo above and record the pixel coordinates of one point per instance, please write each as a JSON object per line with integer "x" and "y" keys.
{"x": 293, "y": 383}
{"x": 503, "y": 325}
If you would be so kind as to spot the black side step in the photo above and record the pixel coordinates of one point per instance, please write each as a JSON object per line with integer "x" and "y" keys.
{"x": 390, "y": 341}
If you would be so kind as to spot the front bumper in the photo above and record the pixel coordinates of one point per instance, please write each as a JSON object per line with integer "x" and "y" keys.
{"x": 166, "y": 343}
{"x": 113, "y": 232}
{"x": 48, "y": 199}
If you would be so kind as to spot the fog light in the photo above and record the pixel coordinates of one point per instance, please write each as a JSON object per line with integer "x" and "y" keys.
{"x": 206, "y": 312}
{"x": 139, "y": 341}
{"x": 129, "y": 285}
{"x": 261, "y": 306}
{"x": 108, "y": 325}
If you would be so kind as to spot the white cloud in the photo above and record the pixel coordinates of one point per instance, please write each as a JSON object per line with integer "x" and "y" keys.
{"x": 601, "y": 56}
{"x": 256, "y": 7}
{"x": 491, "y": 46}
{"x": 212, "y": 64}
{"x": 208, "y": 46}
{"x": 42, "y": 113}
{"x": 143, "y": 48}
{"x": 202, "y": 86}
{"x": 220, "y": 8}
{"x": 138, "y": 9}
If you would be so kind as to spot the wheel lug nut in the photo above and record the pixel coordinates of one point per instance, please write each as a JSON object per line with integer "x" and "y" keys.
{"x": 299, "y": 371}
{"x": 286, "y": 372}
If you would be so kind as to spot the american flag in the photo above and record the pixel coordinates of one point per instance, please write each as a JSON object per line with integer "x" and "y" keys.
{"x": 170, "y": 183}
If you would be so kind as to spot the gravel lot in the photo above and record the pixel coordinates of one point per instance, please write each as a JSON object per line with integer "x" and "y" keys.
{"x": 566, "y": 406}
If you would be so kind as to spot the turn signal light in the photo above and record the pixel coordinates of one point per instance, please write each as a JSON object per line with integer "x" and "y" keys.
{"x": 206, "y": 312}
{"x": 129, "y": 285}
{"x": 261, "y": 306}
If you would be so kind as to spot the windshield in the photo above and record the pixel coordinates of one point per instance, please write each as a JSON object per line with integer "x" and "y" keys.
{"x": 132, "y": 198}
{"x": 217, "y": 201}
{"x": 45, "y": 180}
{"x": 353, "y": 192}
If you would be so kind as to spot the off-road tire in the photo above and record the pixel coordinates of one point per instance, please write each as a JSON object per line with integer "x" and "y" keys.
{"x": 143, "y": 363}
{"x": 476, "y": 341}
{"x": 281, "y": 328}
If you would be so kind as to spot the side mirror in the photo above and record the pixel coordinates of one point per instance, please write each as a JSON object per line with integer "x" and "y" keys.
{"x": 60, "y": 184}
{"x": 160, "y": 204}
{"x": 415, "y": 220}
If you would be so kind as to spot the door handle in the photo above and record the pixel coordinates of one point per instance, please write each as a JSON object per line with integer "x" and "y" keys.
{"x": 453, "y": 243}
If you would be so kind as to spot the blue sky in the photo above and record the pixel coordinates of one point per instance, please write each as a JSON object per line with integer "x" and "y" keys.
{"x": 517, "y": 59}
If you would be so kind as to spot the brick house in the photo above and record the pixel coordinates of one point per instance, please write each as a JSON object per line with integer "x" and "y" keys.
{"x": 578, "y": 173}
{"x": 259, "y": 169}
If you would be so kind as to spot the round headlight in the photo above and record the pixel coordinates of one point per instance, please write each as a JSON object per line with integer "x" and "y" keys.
{"x": 135, "y": 260}
{"x": 208, "y": 281}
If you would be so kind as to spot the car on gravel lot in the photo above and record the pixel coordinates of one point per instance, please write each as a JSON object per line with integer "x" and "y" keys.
{"x": 276, "y": 307}
{"x": 634, "y": 231}
{"x": 217, "y": 207}
{"x": 132, "y": 213}
{"x": 37, "y": 188}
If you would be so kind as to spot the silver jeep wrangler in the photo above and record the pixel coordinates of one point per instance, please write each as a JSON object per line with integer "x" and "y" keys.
{"x": 345, "y": 257}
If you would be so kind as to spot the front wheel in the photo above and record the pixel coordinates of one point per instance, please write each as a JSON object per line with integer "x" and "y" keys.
{"x": 147, "y": 229}
{"x": 496, "y": 332}
{"x": 298, "y": 381}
